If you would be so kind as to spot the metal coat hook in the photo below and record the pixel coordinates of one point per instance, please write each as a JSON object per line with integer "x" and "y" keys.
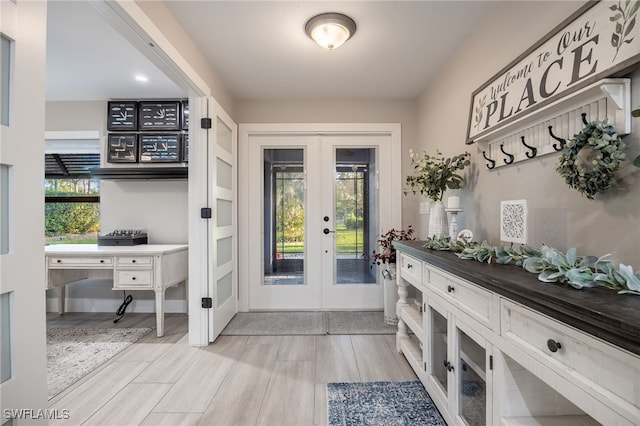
{"x": 510, "y": 156}
{"x": 584, "y": 118}
{"x": 562, "y": 141}
{"x": 492, "y": 163}
{"x": 533, "y": 151}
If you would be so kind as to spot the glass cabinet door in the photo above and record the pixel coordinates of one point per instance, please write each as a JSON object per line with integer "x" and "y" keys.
{"x": 472, "y": 380}
{"x": 438, "y": 358}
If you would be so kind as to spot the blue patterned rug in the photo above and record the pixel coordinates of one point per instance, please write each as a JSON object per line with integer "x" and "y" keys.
{"x": 380, "y": 403}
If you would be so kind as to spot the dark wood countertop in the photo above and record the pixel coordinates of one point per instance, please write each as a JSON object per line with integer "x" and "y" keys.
{"x": 599, "y": 312}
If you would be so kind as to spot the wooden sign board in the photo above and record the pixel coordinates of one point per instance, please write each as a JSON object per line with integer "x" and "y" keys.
{"x": 601, "y": 39}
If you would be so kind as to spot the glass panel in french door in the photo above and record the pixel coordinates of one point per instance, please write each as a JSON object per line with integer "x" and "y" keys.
{"x": 284, "y": 216}
{"x": 355, "y": 215}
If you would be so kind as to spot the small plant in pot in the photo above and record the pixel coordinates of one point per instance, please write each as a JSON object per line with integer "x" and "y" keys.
{"x": 387, "y": 254}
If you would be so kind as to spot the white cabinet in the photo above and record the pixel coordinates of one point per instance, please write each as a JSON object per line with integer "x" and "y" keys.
{"x": 485, "y": 358}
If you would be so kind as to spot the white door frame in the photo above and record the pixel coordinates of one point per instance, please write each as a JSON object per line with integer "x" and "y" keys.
{"x": 245, "y": 131}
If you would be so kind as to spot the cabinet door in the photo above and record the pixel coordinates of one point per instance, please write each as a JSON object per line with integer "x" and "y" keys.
{"x": 439, "y": 365}
{"x": 473, "y": 378}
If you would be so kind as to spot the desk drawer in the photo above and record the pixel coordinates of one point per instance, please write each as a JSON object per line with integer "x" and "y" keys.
{"x": 589, "y": 361}
{"x": 411, "y": 269}
{"x": 133, "y": 279}
{"x": 80, "y": 262}
{"x": 470, "y": 298}
{"x": 134, "y": 260}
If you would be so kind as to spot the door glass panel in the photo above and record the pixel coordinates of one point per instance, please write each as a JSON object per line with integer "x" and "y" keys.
{"x": 284, "y": 216}
{"x": 355, "y": 219}
{"x": 224, "y": 174}
{"x": 472, "y": 386}
{"x": 5, "y": 79}
{"x": 5, "y": 337}
{"x": 225, "y": 213}
{"x": 439, "y": 348}
{"x": 224, "y": 249}
{"x": 224, "y": 137}
{"x": 224, "y": 289}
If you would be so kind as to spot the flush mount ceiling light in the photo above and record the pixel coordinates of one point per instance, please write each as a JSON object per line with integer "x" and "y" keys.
{"x": 330, "y": 30}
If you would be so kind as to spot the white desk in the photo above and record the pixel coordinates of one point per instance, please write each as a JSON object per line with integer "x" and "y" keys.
{"x": 142, "y": 267}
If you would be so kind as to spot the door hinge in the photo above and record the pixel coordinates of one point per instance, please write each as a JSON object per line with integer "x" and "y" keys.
{"x": 205, "y": 123}
{"x": 207, "y": 302}
{"x": 490, "y": 362}
{"x": 206, "y": 213}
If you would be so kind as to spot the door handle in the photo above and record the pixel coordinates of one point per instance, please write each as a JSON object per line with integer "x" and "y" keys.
{"x": 326, "y": 231}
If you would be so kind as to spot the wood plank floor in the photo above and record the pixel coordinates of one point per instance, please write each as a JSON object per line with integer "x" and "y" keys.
{"x": 238, "y": 380}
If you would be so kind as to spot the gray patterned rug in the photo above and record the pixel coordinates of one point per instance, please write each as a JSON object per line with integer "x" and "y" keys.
{"x": 306, "y": 323}
{"x": 72, "y": 353}
{"x": 381, "y": 403}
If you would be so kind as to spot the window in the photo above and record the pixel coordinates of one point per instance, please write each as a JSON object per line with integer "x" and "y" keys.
{"x": 72, "y": 196}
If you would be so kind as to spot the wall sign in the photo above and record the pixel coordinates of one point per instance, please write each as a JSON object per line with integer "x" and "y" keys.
{"x": 597, "y": 41}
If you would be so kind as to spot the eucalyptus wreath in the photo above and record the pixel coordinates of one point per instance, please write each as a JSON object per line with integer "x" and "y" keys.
{"x": 590, "y": 159}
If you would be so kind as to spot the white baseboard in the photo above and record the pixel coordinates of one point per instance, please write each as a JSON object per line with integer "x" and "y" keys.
{"x": 112, "y": 305}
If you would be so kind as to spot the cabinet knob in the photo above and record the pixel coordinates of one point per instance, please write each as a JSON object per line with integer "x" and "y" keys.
{"x": 59, "y": 260}
{"x": 450, "y": 289}
{"x": 409, "y": 265}
{"x": 448, "y": 365}
{"x": 133, "y": 261}
{"x": 101, "y": 260}
{"x": 553, "y": 345}
{"x": 133, "y": 278}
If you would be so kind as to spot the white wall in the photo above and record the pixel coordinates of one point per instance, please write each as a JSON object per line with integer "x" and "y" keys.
{"x": 157, "y": 206}
{"x": 558, "y": 215}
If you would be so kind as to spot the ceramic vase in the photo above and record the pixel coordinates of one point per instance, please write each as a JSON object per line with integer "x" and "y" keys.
{"x": 438, "y": 220}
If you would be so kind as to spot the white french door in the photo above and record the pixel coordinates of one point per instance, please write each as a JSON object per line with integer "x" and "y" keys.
{"x": 315, "y": 206}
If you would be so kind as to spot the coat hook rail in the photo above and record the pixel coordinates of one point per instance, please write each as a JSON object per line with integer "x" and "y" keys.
{"x": 510, "y": 158}
{"x": 533, "y": 151}
{"x": 584, "y": 118}
{"x": 562, "y": 141}
{"x": 492, "y": 163}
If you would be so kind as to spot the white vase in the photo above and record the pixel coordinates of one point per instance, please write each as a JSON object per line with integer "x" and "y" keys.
{"x": 390, "y": 294}
{"x": 438, "y": 220}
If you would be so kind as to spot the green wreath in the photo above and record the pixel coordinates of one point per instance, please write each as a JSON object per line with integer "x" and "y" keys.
{"x": 589, "y": 160}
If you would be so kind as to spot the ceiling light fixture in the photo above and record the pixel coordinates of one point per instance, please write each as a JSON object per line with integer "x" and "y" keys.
{"x": 330, "y": 30}
{"x": 141, "y": 78}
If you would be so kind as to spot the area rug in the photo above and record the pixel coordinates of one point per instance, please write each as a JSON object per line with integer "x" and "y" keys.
{"x": 380, "y": 403}
{"x": 307, "y": 323}
{"x": 345, "y": 322}
{"x": 72, "y": 353}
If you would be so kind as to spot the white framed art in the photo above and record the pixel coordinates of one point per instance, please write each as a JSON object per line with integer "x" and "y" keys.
{"x": 513, "y": 221}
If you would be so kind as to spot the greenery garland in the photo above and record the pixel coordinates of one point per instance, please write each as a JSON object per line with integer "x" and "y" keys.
{"x": 590, "y": 159}
{"x": 550, "y": 264}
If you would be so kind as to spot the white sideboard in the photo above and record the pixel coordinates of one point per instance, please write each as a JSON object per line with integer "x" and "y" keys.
{"x": 140, "y": 267}
{"x": 494, "y": 346}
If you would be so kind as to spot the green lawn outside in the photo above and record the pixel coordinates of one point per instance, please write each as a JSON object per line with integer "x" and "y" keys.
{"x": 345, "y": 241}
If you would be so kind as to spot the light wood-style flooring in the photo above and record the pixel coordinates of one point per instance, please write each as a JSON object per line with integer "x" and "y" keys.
{"x": 238, "y": 380}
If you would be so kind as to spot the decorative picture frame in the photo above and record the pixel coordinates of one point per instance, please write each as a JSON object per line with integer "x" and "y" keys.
{"x": 122, "y": 116}
{"x": 122, "y": 148}
{"x": 160, "y": 147}
{"x": 159, "y": 115}
{"x": 513, "y": 221}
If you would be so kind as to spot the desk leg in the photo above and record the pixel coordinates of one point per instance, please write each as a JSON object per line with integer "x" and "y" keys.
{"x": 62, "y": 295}
{"x": 160, "y": 311}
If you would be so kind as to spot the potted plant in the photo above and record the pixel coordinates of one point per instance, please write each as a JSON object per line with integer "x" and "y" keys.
{"x": 434, "y": 174}
{"x": 387, "y": 257}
